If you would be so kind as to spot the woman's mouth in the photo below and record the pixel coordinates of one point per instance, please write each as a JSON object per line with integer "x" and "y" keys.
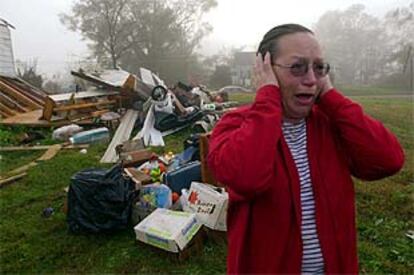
{"x": 304, "y": 99}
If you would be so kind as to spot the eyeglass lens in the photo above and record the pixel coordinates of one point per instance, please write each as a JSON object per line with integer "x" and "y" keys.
{"x": 301, "y": 68}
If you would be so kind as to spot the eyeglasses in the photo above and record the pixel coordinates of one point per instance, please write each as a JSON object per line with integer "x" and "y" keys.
{"x": 301, "y": 68}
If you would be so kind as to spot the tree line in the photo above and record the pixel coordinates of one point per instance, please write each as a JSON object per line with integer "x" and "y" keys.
{"x": 163, "y": 35}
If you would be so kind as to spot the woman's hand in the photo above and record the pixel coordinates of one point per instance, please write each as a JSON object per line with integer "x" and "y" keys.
{"x": 263, "y": 72}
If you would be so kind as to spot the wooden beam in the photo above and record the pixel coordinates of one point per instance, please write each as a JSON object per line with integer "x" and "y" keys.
{"x": 41, "y": 147}
{"x": 27, "y": 90}
{"x": 11, "y": 179}
{"x": 48, "y": 109}
{"x": 7, "y": 110}
{"x": 3, "y": 115}
{"x": 129, "y": 84}
{"x": 21, "y": 98}
{"x": 22, "y": 169}
{"x": 50, "y": 153}
{"x": 9, "y": 102}
{"x": 83, "y": 105}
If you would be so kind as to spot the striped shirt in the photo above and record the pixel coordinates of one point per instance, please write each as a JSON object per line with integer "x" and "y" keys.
{"x": 295, "y": 136}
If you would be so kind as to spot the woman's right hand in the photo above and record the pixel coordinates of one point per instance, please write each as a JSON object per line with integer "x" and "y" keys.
{"x": 263, "y": 71}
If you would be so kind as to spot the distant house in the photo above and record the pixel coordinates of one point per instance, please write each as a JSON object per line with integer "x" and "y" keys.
{"x": 7, "y": 66}
{"x": 241, "y": 73}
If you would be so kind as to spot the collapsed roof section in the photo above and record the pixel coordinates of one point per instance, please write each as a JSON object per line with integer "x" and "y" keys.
{"x": 18, "y": 97}
{"x": 140, "y": 85}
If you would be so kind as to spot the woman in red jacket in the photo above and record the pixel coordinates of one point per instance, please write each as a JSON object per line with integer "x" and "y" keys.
{"x": 287, "y": 161}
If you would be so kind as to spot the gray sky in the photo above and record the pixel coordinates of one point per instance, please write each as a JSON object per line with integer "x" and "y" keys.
{"x": 39, "y": 33}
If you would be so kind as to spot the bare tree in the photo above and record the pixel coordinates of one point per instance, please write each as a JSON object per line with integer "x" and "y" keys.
{"x": 354, "y": 43}
{"x": 105, "y": 23}
{"x": 159, "y": 34}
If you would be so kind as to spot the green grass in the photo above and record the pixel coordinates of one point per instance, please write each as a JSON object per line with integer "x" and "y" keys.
{"x": 30, "y": 243}
{"x": 373, "y": 91}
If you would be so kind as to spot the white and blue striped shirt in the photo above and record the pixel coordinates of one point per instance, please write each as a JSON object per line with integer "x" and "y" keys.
{"x": 295, "y": 136}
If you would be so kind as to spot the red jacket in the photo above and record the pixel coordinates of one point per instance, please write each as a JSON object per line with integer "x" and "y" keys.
{"x": 250, "y": 156}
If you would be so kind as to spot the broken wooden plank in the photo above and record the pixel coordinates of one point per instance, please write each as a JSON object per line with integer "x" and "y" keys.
{"x": 33, "y": 92}
{"x": 9, "y": 102}
{"x": 6, "y": 88}
{"x": 48, "y": 109}
{"x": 11, "y": 179}
{"x": 26, "y": 90}
{"x": 7, "y": 110}
{"x": 137, "y": 176}
{"x": 3, "y": 114}
{"x": 22, "y": 169}
{"x": 42, "y": 147}
{"x": 51, "y": 152}
{"x": 85, "y": 94}
{"x": 83, "y": 105}
{"x": 122, "y": 134}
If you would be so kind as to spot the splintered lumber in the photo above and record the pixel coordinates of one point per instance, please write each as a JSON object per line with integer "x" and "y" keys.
{"x": 129, "y": 84}
{"x": 11, "y": 179}
{"x": 41, "y": 147}
{"x": 83, "y": 105}
{"x": 3, "y": 114}
{"x": 122, "y": 134}
{"x": 7, "y": 110}
{"x": 26, "y": 90}
{"x": 51, "y": 152}
{"x": 48, "y": 109}
{"x": 9, "y": 102}
{"x": 12, "y": 92}
{"x": 23, "y": 168}
{"x": 81, "y": 95}
{"x": 137, "y": 176}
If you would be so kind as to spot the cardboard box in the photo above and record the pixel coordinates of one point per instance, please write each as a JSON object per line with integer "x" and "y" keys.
{"x": 209, "y": 203}
{"x": 135, "y": 158}
{"x": 193, "y": 249}
{"x": 167, "y": 229}
{"x": 137, "y": 176}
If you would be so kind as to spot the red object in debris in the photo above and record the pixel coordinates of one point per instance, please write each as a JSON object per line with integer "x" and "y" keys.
{"x": 162, "y": 167}
{"x": 175, "y": 197}
{"x": 193, "y": 197}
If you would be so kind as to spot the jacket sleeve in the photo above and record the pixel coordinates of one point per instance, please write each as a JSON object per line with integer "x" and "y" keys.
{"x": 373, "y": 151}
{"x": 242, "y": 147}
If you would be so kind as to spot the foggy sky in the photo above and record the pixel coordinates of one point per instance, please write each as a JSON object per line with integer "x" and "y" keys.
{"x": 39, "y": 33}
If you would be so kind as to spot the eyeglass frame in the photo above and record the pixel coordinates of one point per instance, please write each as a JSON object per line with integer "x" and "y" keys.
{"x": 302, "y": 73}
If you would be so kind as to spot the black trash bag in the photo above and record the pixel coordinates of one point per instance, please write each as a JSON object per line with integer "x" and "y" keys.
{"x": 166, "y": 121}
{"x": 99, "y": 200}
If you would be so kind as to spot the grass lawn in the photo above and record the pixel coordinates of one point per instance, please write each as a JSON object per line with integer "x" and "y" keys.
{"x": 30, "y": 243}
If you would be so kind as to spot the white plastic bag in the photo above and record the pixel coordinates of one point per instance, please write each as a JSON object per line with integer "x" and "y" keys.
{"x": 65, "y": 132}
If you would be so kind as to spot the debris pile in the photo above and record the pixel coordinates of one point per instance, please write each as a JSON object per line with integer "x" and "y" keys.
{"x": 168, "y": 198}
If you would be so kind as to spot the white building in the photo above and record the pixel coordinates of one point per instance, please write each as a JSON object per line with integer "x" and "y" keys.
{"x": 242, "y": 69}
{"x": 7, "y": 65}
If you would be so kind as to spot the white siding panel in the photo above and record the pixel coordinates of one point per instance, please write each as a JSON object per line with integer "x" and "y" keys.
{"x": 7, "y": 67}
